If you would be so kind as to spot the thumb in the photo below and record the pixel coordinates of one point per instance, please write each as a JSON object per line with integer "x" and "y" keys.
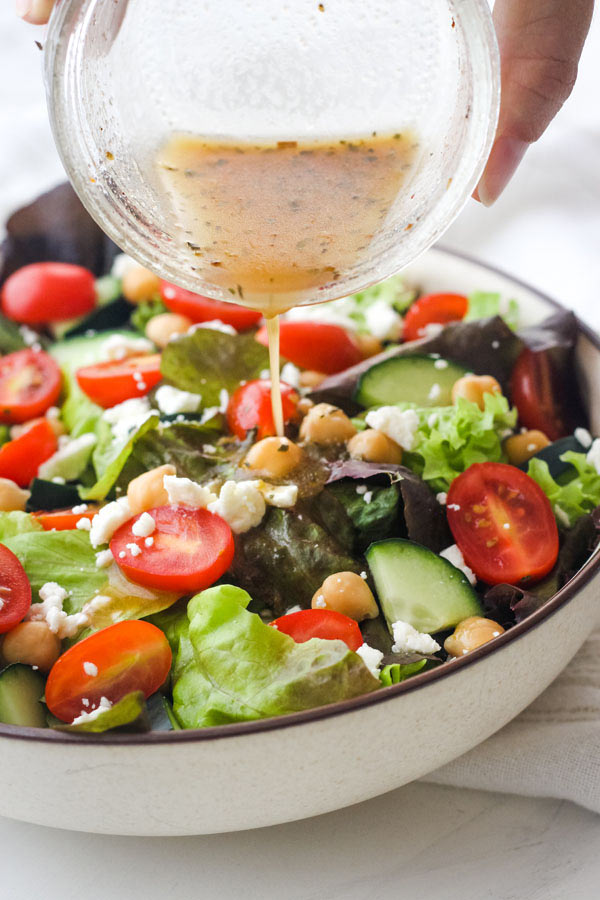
{"x": 35, "y": 11}
{"x": 540, "y": 44}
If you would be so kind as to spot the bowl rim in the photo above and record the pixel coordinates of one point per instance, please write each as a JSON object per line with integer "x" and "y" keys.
{"x": 239, "y": 729}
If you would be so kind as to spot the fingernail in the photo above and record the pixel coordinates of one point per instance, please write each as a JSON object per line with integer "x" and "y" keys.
{"x": 504, "y": 160}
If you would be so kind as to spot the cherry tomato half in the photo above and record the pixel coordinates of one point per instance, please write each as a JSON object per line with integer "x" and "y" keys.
{"x": 433, "y": 309}
{"x": 503, "y": 523}
{"x": 191, "y": 549}
{"x": 112, "y": 382}
{"x": 250, "y": 407}
{"x": 203, "y": 309}
{"x": 15, "y": 590}
{"x": 30, "y": 382}
{"x": 20, "y": 459}
{"x": 316, "y": 345}
{"x": 128, "y": 656}
{"x": 320, "y": 623}
{"x": 539, "y": 395}
{"x": 62, "y": 519}
{"x": 48, "y": 292}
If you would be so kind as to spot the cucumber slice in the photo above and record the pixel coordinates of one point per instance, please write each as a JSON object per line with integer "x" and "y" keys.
{"x": 409, "y": 379}
{"x": 417, "y": 586}
{"x": 21, "y": 690}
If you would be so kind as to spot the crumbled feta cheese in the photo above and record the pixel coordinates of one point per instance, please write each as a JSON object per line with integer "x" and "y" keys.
{"x": 495, "y": 345}
{"x": 134, "y": 549}
{"x": 144, "y": 526}
{"x": 141, "y": 385}
{"x": 584, "y": 437}
{"x": 30, "y": 337}
{"x": 223, "y": 400}
{"x": 103, "y": 559}
{"x": 50, "y": 610}
{"x": 320, "y": 602}
{"x": 214, "y": 325}
{"x": 435, "y": 392}
{"x": 108, "y": 519}
{"x": 209, "y": 448}
{"x": 171, "y": 400}
{"x": 593, "y": 456}
{"x": 149, "y": 542}
{"x": 291, "y": 375}
{"x": 103, "y": 705}
{"x": 80, "y": 508}
{"x": 432, "y": 329}
{"x": 70, "y": 458}
{"x": 122, "y": 554}
{"x": 441, "y": 498}
{"x": 363, "y": 575}
{"x": 368, "y": 496}
{"x": 454, "y": 506}
{"x": 209, "y": 413}
{"x": 83, "y": 524}
{"x": 372, "y": 658}
{"x": 408, "y": 640}
{"x": 187, "y": 492}
{"x": 383, "y": 322}
{"x": 98, "y": 602}
{"x": 280, "y": 495}
{"x": 128, "y": 416}
{"x": 400, "y": 425}
{"x": 361, "y": 489}
{"x": 241, "y": 504}
{"x": 561, "y": 515}
{"x": 293, "y": 609}
{"x": 432, "y": 420}
{"x": 120, "y": 346}
{"x": 440, "y": 364}
{"x": 90, "y": 669}
{"x": 454, "y": 556}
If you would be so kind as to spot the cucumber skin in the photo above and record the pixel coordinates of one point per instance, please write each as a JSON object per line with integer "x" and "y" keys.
{"x": 464, "y": 602}
{"x": 21, "y": 692}
{"x": 367, "y": 395}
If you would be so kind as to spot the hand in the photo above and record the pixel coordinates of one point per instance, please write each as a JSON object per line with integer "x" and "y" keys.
{"x": 35, "y": 11}
{"x": 540, "y": 45}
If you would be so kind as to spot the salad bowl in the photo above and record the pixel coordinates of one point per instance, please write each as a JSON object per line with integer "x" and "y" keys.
{"x": 261, "y": 773}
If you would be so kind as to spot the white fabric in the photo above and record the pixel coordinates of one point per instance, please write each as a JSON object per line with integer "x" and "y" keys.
{"x": 544, "y": 230}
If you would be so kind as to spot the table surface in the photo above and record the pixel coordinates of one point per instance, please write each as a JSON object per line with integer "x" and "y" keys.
{"x": 426, "y": 840}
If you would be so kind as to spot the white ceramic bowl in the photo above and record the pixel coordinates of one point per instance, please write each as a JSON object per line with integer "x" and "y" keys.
{"x": 277, "y": 770}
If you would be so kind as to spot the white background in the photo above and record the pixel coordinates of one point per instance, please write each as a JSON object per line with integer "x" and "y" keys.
{"x": 421, "y": 840}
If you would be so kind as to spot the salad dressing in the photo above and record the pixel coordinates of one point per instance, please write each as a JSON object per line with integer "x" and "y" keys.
{"x": 271, "y": 224}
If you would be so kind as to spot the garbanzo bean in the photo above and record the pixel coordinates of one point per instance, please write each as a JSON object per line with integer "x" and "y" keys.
{"x": 326, "y": 424}
{"x": 473, "y": 388}
{"x": 31, "y": 643}
{"x": 470, "y": 634}
{"x": 311, "y": 379}
{"x": 274, "y": 456}
{"x": 521, "y": 447}
{"x": 347, "y": 593}
{"x": 369, "y": 345}
{"x": 374, "y": 446}
{"x": 147, "y": 490}
{"x": 140, "y": 284}
{"x": 160, "y": 329}
{"x": 12, "y": 497}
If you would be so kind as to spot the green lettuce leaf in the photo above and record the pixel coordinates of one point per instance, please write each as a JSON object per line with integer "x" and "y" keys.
{"x": 11, "y": 338}
{"x": 576, "y": 497}
{"x": 110, "y": 456}
{"x": 451, "y": 438}
{"x": 12, "y": 523}
{"x": 234, "y": 668}
{"x": 484, "y": 305}
{"x": 208, "y": 361}
{"x": 128, "y": 709}
{"x": 397, "y": 672}
{"x": 145, "y": 311}
{"x": 373, "y": 513}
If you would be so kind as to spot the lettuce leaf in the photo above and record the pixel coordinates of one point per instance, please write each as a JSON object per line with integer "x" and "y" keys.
{"x": 231, "y": 667}
{"x": 451, "y": 438}
{"x": 127, "y": 711}
{"x": 572, "y": 499}
{"x": 110, "y": 456}
{"x": 16, "y": 522}
{"x": 483, "y": 305}
{"x": 397, "y": 672}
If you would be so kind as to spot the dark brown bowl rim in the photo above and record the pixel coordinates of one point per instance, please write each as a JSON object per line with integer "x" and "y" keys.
{"x": 219, "y": 732}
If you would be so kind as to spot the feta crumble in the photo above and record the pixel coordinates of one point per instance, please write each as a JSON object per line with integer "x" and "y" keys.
{"x": 593, "y": 456}
{"x": 187, "y": 492}
{"x": 108, "y": 519}
{"x": 171, "y": 400}
{"x": 408, "y": 640}
{"x": 50, "y": 610}
{"x": 145, "y": 526}
{"x": 440, "y": 364}
{"x": 83, "y": 525}
{"x": 400, "y": 425}
{"x": 441, "y": 498}
{"x": 383, "y": 322}
{"x": 214, "y": 325}
{"x": 281, "y": 495}
{"x": 103, "y": 705}
{"x": 128, "y": 416}
{"x": 120, "y": 346}
{"x": 241, "y": 504}
{"x": 371, "y": 657}
{"x": 435, "y": 391}
{"x": 584, "y": 437}
{"x": 80, "y": 508}
{"x": 454, "y": 556}
{"x": 133, "y": 549}
{"x": 149, "y": 542}
{"x": 103, "y": 559}
{"x": 291, "y": 375}
{"x": 90, "y": 669}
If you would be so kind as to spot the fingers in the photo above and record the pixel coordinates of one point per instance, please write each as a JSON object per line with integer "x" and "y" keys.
{"x": 35, "y": 11}
{"x": 540, "y": 44}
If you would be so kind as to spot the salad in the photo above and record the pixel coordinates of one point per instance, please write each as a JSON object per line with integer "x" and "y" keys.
{"x": 167, "y": 561}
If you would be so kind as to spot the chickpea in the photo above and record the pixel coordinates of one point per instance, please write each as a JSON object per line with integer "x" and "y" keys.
{"x": 140, "y": 284}
{"x": 374, "y": 446}
{"x": 274, "y": 456}
{"x": 31, "y": 643}
{"x": 160, "y": 329}
{"x": 470, "y": 634}
{"x": 326, "y": 424}
{"x": 311, "y": 379}
{"x": 369, "y": 345}
{"x": 521, "y": 447}
{"x": 12, "y": 497}
{"x": 473, "y": 388}
{"x": 147, "y": 490}
{"x": 347, "y": 593}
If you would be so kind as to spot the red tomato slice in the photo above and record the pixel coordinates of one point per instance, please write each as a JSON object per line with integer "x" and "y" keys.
{"x": 250, "y": 407}
{"x": 320, "y": 623}
{"x": 128, "y": 656}
{"x": 112, "y": 382}
{"x": 191, "y": 549}
{"x": 15, "y": 590}
{"x": 503, "y": 523}
{"x": 203, "y": 309}
{"x": 316, "y": 345}
{"x": 539, "y": 395}
{"x": 20, "y": 459}
{"x": 30, "y": 382}
{"x": 62, "y": 519}
{"x": 48, "y": 292}
{"x": 433, "y": 308}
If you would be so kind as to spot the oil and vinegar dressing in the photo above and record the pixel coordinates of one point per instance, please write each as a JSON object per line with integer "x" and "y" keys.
{"x": 272, "y": 223}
